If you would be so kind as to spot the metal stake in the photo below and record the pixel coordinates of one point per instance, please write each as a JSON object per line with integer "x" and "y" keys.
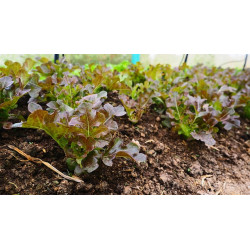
{"x": 56, "y": 57}
{"x": 245, "y": 63}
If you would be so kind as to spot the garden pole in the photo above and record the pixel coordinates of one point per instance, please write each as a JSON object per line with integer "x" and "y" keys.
{"x": 245, "y": 63}
{"x": 186, "y": 58}
{"x": 135, "y": 58}
{"x": 56, "y": 57}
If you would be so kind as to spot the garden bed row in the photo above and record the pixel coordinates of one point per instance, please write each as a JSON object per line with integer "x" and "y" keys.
{"x": 123, "y": 130}
{"x": 174, "y": 166}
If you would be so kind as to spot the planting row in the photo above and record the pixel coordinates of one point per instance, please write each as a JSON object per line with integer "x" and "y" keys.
{"x": 70, "y": 104}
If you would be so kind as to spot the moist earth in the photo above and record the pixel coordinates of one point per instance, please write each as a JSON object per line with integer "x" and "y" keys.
{"x": 174, "y": 165}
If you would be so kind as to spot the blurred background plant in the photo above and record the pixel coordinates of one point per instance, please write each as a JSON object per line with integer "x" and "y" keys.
{"x": 97, "y": 58}
{"x": 72, "y": 58}
{"x": 223, "y": 60}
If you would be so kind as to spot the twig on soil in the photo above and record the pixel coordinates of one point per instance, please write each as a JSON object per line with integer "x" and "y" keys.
{"x": 209, "y": 184}
{"x": 203, "y": 178}
{"x": 213, "y": 148}
{"x": 17, "y": 157}
{"x": 149, "y": 141}
{"x": 221, "y": 190}
{"x": 37, "y": 160}
{"x": 12, "y": 183}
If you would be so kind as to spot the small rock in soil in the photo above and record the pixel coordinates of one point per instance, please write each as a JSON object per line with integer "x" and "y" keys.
{"x": 127, "y": 190}
{"x": 151, "y": 161}
{"x": 88, "y": 186}
{"x": 151, "y": 152}
{"x": 175, "y": 162}
{"x": 65, "y": 187}
{"x": 195, "y": 169}
{"x": 247, "y": 143}
{"x": 146, "y": 189}
{"x": 81, "y": 186}
{"x": 164, "y": 177}
{"x": 134, "y": 174}
{"x": 150, "y": 141}
{"x": 102, "y": 186}
{"x": 8, "y": 187}
{"x": 159, "y": 148}
{"x": 245, "y": 157}
{"x": 142, "y": 135}
{"x": 119, "y": 188}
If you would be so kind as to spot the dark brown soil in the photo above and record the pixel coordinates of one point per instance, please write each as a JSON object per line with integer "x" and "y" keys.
{"x": 174, "y": 166}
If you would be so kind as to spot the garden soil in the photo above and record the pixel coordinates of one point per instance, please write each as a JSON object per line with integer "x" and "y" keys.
{"x": 174, "y": 166}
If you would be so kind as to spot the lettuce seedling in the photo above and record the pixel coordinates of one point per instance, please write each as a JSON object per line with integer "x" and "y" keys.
{"x": 119, "y": 67}
{"x": 85, "y": 132}
{"x": 102, "y": 77}
{"x": 13, "y": 85}
{"x": 133, "y": 74}
{"x": 146, "y": 85}
{"x": 48, "y": 68}
{"x": 68, "y": 88}
{"x": 139, "y": 100}
{"x": 191, "y": 116}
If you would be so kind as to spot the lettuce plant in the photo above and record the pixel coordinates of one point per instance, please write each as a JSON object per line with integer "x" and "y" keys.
{"x": 48, "y": 68}
{"x": 68, "y": 88}
{"x": 102, "y": 77}
{"x": 119, "y": 67}
{"x": 146, "y": 85}
{"x": 195, "y": 101}
{"x": 133, "y": 74}
{"x": 14, "y": 79}
{"x": 193, "y": 117}
{"x": 85, "y": 132}
{"x": 198, "y": 101}
{"x": 200, "y": 106}
{"x": 138, "y": 101}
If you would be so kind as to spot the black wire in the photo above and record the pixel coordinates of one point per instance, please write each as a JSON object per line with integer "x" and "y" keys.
{"x": 229, "y": 62}
{"x": 186, "y": 58}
